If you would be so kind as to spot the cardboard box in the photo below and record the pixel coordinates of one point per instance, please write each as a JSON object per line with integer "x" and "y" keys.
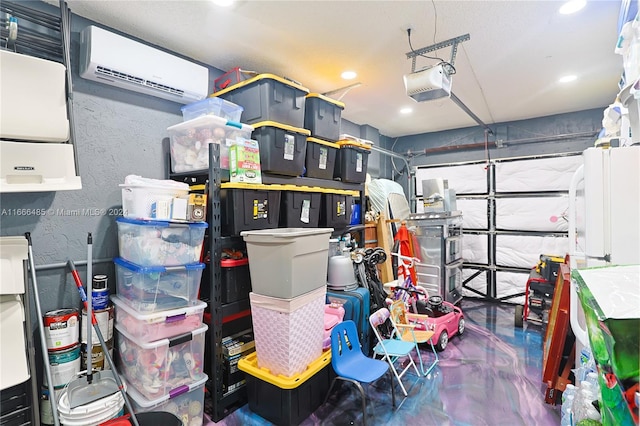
{"x": 244, "y": 161}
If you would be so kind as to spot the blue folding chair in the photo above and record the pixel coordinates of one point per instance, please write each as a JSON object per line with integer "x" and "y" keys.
{"x": 391, "y": 349}
{"x": 351, "y": 365}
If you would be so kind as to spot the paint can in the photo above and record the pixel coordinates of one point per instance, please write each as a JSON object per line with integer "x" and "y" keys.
{"x": 61, "y": 329}
{"x": 100, "y": 292}
{"x": 105, "y": 319}
{"x": 46, "y": 412}
{"x": 65, "y": 366}
{"x": 98, "y": 359}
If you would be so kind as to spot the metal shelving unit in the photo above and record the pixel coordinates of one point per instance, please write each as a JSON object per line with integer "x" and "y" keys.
{"x": 230, "y": 318}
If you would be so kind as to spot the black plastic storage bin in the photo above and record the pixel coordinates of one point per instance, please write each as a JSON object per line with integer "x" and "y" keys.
{"x": 287, "y": 401}
{"x": 282, "y": 148}
{"x": 267, "y": 97}
{"x": 320, "y": 160}
{"x": 351, "y": 162}
{"x": 236, "y": 280}
{"x": 336, "y": 210}
{"x": 322, "y": 116}
{"x": 300, "y": 209}
{"x": 248, "y": 206}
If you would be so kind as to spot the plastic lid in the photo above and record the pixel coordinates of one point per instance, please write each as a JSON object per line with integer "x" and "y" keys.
{"x": 207, "y": 121}
{"x": 249, "y": 365}
{"x": 284, "y": 233}
{"x": 161, "y": 223}
{"x": 141, "y": 401}
{"x": 325, "y": 98}
{"x": 349, "y": 144}
{"x": 282, "y": 126}
{"x": 162, "y": 342}
{"x": 323, "y": 142}
{"x": 156, "y": 269}
{"x": 231, "y": 263}
{"x": 258, "y": 78}
{"x": 279, "y": 187}
{"x": 207, "y": 101}
{"x": 154, "y": 317}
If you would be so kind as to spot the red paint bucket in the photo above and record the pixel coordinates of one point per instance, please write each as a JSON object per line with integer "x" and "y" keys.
{"x": 61, "y": 329}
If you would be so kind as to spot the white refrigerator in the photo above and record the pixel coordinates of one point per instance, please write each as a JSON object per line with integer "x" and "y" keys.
{"x": 604, "y": 218}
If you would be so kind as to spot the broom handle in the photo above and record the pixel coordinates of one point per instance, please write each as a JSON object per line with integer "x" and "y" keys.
{"x": 43, "y": 343}
{"x": 89, "y": 307}
{"x": 105, "y": 349}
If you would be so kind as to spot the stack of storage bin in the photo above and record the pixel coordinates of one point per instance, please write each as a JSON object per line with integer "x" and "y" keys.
{"x": 288, "y": 268}
{"x": 275, "y": 107}
{"x": 160, "y": 333}
{"x": 322, "y": 117}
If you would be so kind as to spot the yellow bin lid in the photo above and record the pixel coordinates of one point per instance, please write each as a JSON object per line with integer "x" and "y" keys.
{"x": 348, "y": 143}
{"x": 249, "y": 365}
{"x": 258, "y": 78}
{"x": 326, "y": 99}
{"x": 323, "y": 142}
{"x": 281, "y": 126}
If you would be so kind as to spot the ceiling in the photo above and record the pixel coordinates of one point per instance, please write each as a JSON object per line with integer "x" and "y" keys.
{"x": 508, "y": 70}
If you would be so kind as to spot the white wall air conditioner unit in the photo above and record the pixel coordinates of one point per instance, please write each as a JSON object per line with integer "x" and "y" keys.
{"x": 428, "y": 84}
{"x": 109, "y": 58}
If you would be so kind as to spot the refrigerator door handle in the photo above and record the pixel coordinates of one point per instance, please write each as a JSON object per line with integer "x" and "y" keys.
{"x": 578, "y": 331}
{"x": 578, "y": 177}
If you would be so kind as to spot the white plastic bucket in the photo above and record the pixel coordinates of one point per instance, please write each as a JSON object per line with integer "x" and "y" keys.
{"x": 90, "y": 414}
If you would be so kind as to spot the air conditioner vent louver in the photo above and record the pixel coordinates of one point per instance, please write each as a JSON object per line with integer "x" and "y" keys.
{"x": 109, "y": 58}
{"x": 115, "y": 74}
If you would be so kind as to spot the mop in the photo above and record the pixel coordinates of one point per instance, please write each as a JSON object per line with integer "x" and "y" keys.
{"x": 43, "y": 343}
{"x": 105, "y": 383}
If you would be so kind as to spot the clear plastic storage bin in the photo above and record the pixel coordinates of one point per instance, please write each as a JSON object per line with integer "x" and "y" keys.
{"x": 159, "y": 325}
{"x": 190, "y": 141}
{"x": 214, "y": 106}
{"x": 149, "y": 289}
{"x": 155, "y": 242}
{"x": 160, "y": 368}
{"x": 186, "y": 402}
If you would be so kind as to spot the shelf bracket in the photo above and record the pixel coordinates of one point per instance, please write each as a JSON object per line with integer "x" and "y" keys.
{"x": 452, "y": 42}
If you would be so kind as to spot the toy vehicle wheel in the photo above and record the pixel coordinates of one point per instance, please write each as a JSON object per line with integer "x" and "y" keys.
{"x": 461, "y": 327}
{"x": 519, "y": 316}
{"x": 443, "y": 341}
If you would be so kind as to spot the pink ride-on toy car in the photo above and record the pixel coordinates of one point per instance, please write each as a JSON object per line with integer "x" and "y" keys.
{"x": 445, "y": 319}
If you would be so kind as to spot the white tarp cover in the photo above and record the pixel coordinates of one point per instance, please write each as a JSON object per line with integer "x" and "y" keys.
{"x": 464, "y": 179}
{"x": 540, "y": 174}
{"x": 379, "y": 190}
{"x": 474, "y": 213}
{"x": 508, "y": 283}
{"x": 474, "y": 249}
{"x": 477, "y": 283}
{"x": 524, "y": 251}
{"x": 548, "y": 214}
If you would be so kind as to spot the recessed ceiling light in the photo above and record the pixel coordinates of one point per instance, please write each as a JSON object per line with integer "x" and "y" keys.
{"x": 568, "y": 78}
{"x": 349, "y": 75}
{"x": 406, "y": 110}
{"x": 223, "y": 3}
{"x": 572, "y": 6}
